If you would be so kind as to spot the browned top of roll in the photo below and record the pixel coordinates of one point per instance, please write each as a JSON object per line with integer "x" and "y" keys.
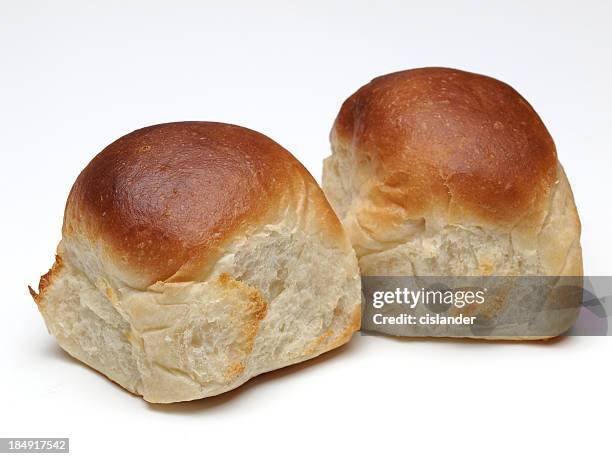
{"x": 443, "y": 133}
{"x": 164, "y": 197}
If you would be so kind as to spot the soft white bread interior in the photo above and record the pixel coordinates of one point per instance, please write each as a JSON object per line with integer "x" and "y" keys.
{"x": 440, "y": 172}
{"x": 195, "y": 256}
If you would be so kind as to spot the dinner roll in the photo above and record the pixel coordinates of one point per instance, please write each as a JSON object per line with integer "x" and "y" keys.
{"x": 441, "y": 172}
{"x": 194, "y": 256}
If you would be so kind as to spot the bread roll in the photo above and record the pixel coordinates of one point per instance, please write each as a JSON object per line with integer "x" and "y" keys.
{"x": 195, "y": 256}
{"x": 441, "y": 172}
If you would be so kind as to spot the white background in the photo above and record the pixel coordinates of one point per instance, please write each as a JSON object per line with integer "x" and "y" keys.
{"x": 76, "y": 75}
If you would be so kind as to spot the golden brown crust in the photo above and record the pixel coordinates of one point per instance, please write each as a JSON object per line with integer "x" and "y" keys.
{"x": 440, "y": 138}
{"x": 164, "y": 197}
{"x": 251, "y": 317}
{"x": 45, "y": 281}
